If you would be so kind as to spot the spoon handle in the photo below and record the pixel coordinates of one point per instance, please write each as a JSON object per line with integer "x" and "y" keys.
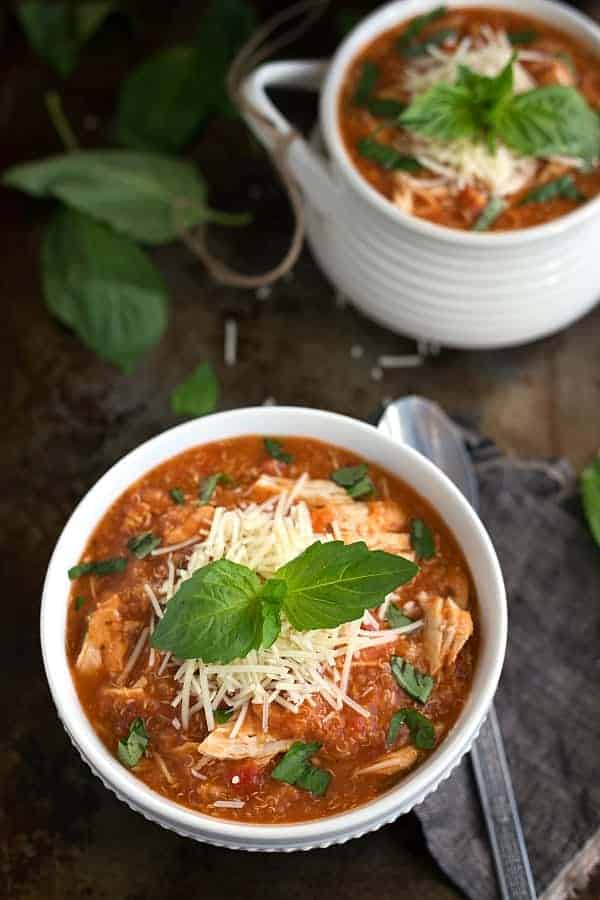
{"x": 426, "y": 427}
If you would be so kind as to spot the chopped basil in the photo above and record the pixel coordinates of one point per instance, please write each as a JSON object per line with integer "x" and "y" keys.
{"x": 416, "y": 48}
{"x": 366, "y": 83}
{"x": 494, "y": 208}
{"x": 386, "y": 156}
{"x": 222, "y": 715}
{"x": 100, "y": 567}
{"x": 208, "y": 486}
{"x": 385, "y": 107}
{"x": 79, "y": 601}
{"x": 275, "y": 450}
{"x": 295, "y": 768}
{"x": 590, "y": 493}
{"x": 355, "y": 480}
{"x": 414, "y": 28}
{"x": 422, "y": 732}
{"x": 552, "y": 190}
{"x": 523, "y": 37}
{"x": 421, "y": 539}
{"x": 131, "y": 750}
{"x": 177, "y": 495}
{"x": 417, "y": 684}
{"x": 396, "y": 618}
{"x": 143, "y": 544}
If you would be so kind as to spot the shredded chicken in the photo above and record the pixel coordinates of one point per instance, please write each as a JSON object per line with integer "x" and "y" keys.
{"x": 315, "y": 491}
{"x": 394, "y": 762}
{"x": 180, "y": 523}
{"x": 447, "y": 629}
{"x": 378, "y": 523}
{"x": 250, "y": 742}
{"x": 107, "y": 640}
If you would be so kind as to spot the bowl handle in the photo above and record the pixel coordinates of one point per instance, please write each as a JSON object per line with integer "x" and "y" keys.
{"x": 274, "y": 130}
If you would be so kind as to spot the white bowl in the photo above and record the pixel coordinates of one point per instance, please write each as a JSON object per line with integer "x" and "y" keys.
{"x": 360, "y": 438}
{"x": 457, "y": 288}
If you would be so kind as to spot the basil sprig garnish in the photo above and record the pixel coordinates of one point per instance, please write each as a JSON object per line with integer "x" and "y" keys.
{"x": 590, "y": 493}
{"x": 276, "y": 451}
{"x": 422, "y": 732}
{"x": 131, "y": 750}
{"x": 417, "y": 684}
{"x": 421, "y": 539}
{"x": 491, "y": 211}
{"x": 296, "y": 768}
{"x": 143, "y": 544}
{"x": 224, "y": 610}
{"x": 545, "y": 121}
{"x": 563, "y": 187}
{"x": 209, "y": 485}
{"x": 355, "y": 480}
{"x": 98, "y": 567}
{"x": 386, "y": 156}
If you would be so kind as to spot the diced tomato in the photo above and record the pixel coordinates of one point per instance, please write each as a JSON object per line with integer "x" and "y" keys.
{"x": 246, "y": 776}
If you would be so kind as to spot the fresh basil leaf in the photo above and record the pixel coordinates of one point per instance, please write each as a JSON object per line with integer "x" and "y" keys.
{"x": 416, "y": 48}
{"x": 149, "y": 197}
{"x": 221, "y": 716}
{"x": 551, "y": 190}
{"x": 386, "y": 108}
{"x": 386, "y": 156}
{"x": 177, "y": 496}
{"x": 444, "y": 112}
{"x": 491, "y": 211}
{"x": 362, "y": 488}
{"x": 57, "y": 31}
{"x": 98, "y": 567}
{"x": 414, "y": 28}
{"x": 271, "y": 598}
{"x": 396, "y": 618}
{"x": 209, "y": 485}
{"x": 198, "y": 395}
{"x": 143, "y": 544}
{"x": 295, "y": 768}
{"x": 131, "y": 750}
{"x": 422, "y": 732}
{"x": 366, "y": 83}
{"x": 548, "y": 121}
{"x": 275, "y": 451}
{"x": 421, "y": 539}
{"x": 104, "y": 287}
{"x": 335, "y": 582}
{"x": 523, "y": 37}
{"x": 225, "y": 26}
{"x": 215, "y": 615}
{"x": 486, "y": 92}
{"x": 417, "y": 684}
{"x": 590, "y": 493}
{"x": 79, "y": 602}
{"x": 355, "y": 480}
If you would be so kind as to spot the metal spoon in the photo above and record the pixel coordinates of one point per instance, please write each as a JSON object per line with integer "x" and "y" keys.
{"x": 426, "y": 427}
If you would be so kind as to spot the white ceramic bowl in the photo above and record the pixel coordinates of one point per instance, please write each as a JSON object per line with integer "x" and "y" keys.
{"x": 362, "y": 439}
{"x": 457, "y": 288}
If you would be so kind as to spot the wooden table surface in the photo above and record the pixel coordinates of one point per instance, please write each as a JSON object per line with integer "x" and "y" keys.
{"x": 70, "y": 417}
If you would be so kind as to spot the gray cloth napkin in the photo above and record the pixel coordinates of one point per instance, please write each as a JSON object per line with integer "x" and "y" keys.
{"x": 548, "y": 701}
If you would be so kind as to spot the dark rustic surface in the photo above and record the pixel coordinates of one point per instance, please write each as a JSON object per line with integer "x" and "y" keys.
{"x": 71, "y": 416}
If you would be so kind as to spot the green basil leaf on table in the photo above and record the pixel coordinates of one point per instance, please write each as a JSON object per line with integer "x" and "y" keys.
{"x": 222, "y": 716}
{"x": 215, "y": 615}
{"x": 296, "y": 768}
{"x": 422, "y": 732}
{"x": 131, "y": 750}
{"x": 146, "y": 196}
{"x": 421, "y": 539}
{"x": 563, "y": 187}
{"x": 417, "y": 685}
{"x": 276, "y": 451}
{"x": 334, "y": 582}
{"x": 57, "y": 31}
{"x": 98, "y": 567}
{"x": 590, "y": 493}
{"x": 225, "y": 26}
{"x": 198, "y": 394}
{"x": 104, "y": 287}
{"x": 209, "y": 485}
{"x": 386, "y": 156}
{"x": 491, "y": 211}
{"x": 177, "y": 496}
{"x": 141, "y": 545}
{"x": 396, "y": 618}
